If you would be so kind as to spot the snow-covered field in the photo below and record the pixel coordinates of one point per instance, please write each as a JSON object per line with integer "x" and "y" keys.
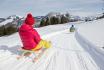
{"x": 70, "y": 51}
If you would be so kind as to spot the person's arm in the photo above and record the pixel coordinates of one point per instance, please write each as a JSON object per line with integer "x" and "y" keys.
{"x": 37, "y": 37}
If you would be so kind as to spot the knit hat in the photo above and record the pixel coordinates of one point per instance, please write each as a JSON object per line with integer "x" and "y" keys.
{"x": 29, "y": 19}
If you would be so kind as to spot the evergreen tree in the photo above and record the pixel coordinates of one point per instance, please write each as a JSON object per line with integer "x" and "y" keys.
{"x": 47, "y": 21}
{"x": 64, "y": 19}
{"x": 2, "y": 30}
{"x": 42, "y": 23}
{"x": 67, "y": 16}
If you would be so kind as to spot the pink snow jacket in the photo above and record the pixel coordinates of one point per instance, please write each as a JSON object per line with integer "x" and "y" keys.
{"x": 29, "y": 36}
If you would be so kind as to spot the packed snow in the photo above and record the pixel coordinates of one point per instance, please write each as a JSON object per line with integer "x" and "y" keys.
{"x": 70, "y": 51}
{"x": 93, "y": 31}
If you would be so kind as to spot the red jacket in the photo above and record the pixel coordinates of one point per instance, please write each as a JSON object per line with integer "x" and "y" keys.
{"x": 29, "y": 36}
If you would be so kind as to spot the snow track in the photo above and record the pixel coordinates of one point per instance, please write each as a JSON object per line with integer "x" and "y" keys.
{"x": 66, "y": 54}
{"x": 96, "y": 53}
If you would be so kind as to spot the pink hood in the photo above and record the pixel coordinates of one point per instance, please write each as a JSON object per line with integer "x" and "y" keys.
{"x": 29, "y": 36}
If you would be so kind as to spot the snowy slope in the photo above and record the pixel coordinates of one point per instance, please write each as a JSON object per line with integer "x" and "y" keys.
{"x": 6, "y": 21}
{"x": 93, "y": 31}
{"x": 70, "y": 51}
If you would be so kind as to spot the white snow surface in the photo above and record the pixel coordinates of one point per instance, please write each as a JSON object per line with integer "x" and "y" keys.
{"x": 69, "y": 51}
{"x": 93, "y": 31}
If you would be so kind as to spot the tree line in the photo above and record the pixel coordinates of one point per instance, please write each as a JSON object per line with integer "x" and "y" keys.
{"x": 56, "y": 19}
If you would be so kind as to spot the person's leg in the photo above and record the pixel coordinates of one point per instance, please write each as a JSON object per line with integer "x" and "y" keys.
{"x": 45, "y": 45}
{"x": 42, "y": 44}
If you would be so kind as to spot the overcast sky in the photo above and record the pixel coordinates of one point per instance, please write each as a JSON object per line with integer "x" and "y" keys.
{"x": 42, "y": 7}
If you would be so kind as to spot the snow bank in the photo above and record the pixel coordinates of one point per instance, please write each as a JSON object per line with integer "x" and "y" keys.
{"x": 93, "y": 31}
{"x": 96, "y": 53}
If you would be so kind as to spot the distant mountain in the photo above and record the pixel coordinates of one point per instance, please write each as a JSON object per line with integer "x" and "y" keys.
{"x": 74, "y": 18}
{"x": 2, "y": 19}
{"x": 94, "y": 17}
{"x": 38, "y": 18}
{"x": 14, "y": 17}
{"x": 10, "y": 25}
{"x": 6, "y": 22}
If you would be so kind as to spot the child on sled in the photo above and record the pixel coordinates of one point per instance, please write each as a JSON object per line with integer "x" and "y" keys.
{"x": 30, "y": 38}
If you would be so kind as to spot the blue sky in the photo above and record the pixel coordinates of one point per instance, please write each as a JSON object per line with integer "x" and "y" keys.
{"x": 42, "y": 7}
